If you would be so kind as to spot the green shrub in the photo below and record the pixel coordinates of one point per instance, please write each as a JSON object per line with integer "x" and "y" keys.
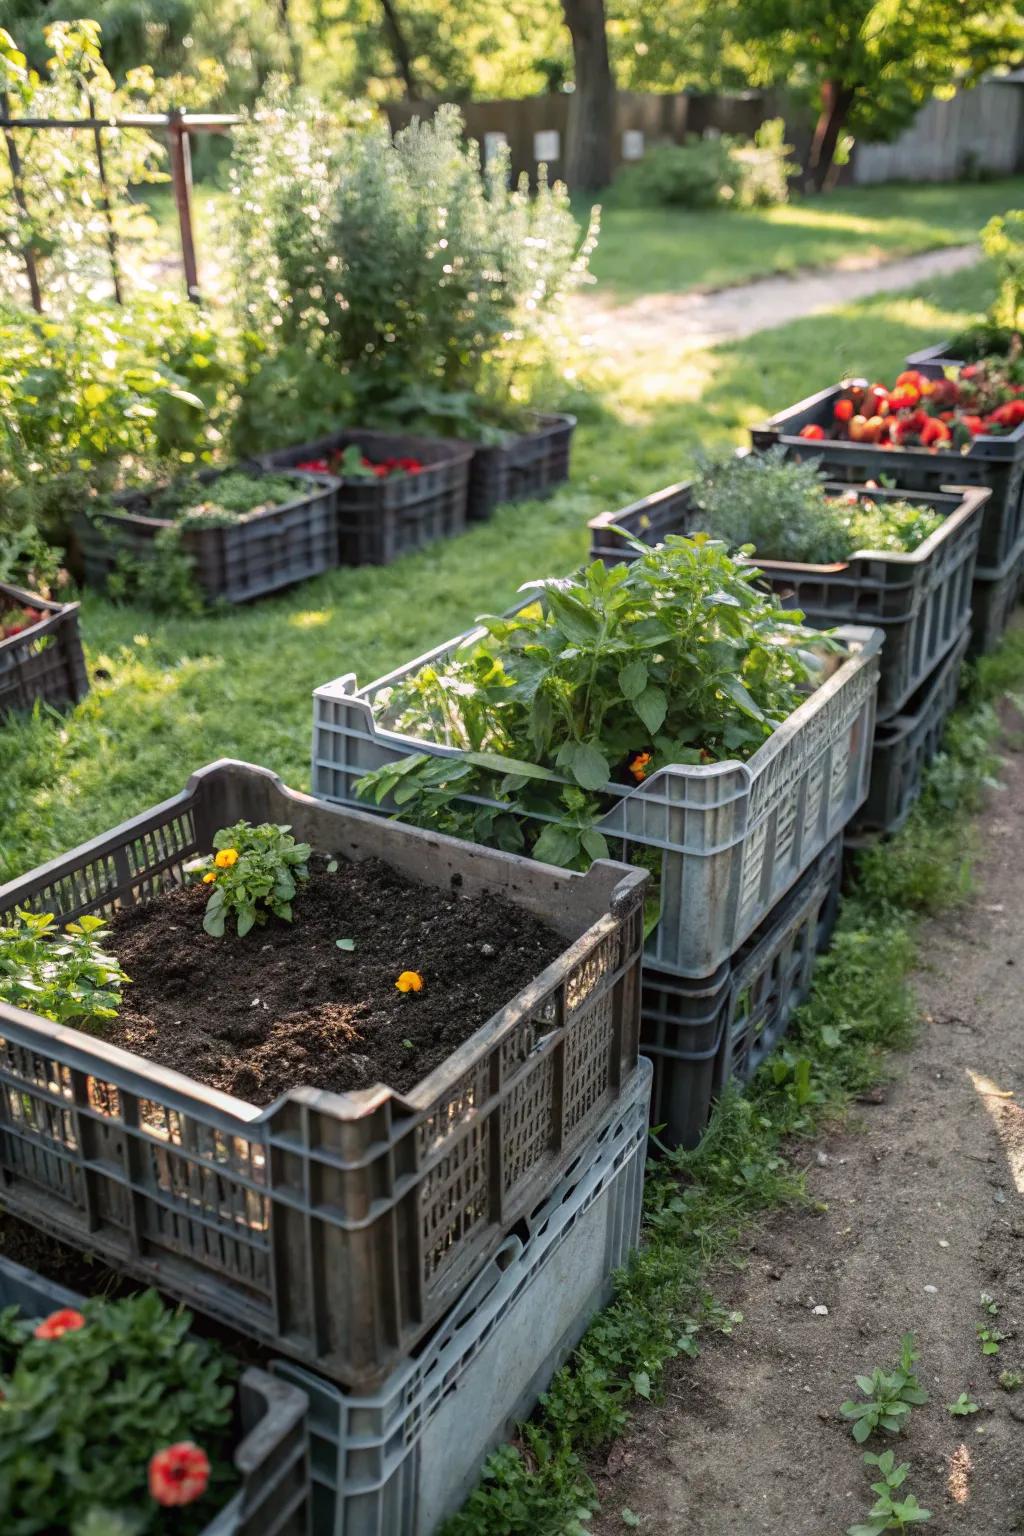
{"x": 712, "y": 172}
{"x": 403, "y": 282}
{"x": 689, "y": 175}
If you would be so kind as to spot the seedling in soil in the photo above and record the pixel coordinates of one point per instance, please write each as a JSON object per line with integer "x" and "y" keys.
{"x": 990, "y": 1339}
{"x": 890, "y": 1396}
{"x": 990, "y": 1304}
{"x": 1011, "y": 1381}
{"x": 254, "y": 871}
{"x": 888, "y": 1513}
{"x": 962, "y": 1406}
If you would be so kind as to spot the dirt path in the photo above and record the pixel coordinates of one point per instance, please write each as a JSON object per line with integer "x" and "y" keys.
{"x": 704, "y": 319}
{"x": 924, "y": 1212}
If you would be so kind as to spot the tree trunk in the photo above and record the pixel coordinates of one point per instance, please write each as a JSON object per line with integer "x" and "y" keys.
{"x": 400, "y": 48}
{"x": 836, "y": 101}
{"x": 588, "y": 153}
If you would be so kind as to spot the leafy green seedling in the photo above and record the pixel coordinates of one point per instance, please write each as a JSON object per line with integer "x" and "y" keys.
{"x": 990, "y": 1339}
{"x": 1011, "y": 1381}
{"x": 889, "y": 1395}
{"x": 990, "y": 1304}
{"x": 889, "y": 1513}
{"x": 963, "y": 1406}
{"x": 348, "y": 945}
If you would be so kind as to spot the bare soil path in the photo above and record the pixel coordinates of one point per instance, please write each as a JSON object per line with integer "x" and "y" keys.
{"x": 705, "y": 319}
{"x": 922, "y": 1211}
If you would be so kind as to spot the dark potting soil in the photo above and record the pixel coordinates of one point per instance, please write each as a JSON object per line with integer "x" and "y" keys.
{"x": 284, "y": 1007}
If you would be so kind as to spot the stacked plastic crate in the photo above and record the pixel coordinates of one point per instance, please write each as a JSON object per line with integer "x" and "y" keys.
{"x": 921, "y": 602}
{"x": 746, "y": 858}
{"x": 390, "y": 1246}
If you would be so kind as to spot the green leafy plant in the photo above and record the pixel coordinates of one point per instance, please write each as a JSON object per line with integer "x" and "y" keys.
{"x": 889, "y": 1513}
{"x": 610, "y": 676}
{"x": 64, "y": 976}
{"x": 889, "y": 1396}
{"x": 254, "y": 872}
{"x": 89, "y": 1398}
{"x": 781, "y": 508}
{"x": 400, "y": 269}
{"x": 989, "y": 1338}
{"x": 963, "y": 1406}
{"x": 1011, "y": 1381}
{"x": 1002, "y": 240}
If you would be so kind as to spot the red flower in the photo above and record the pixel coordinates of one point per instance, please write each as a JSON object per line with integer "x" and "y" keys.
{"x": 178, "y": 1474}
{"x": 903, "y": 398}
{"x": 314, "y": 466}
{"x": 67, "y": 1320}
{"x": 812, "y": 430}
{"x": 974, "y": 425}
{"x": 843, "y": 410}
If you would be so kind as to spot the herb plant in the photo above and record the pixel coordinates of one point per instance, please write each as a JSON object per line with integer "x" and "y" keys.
{"x": 889, "y": 1396}
{"x": 92, "y": 1402}
{"x": 65, "y": 976}
{"x": 963, "y": 1406}
{"x": 889, "y": 1513}
{"x": 782, "y": 508}
{"x": 254, "y": 871}
{"x": 608, "y": 677}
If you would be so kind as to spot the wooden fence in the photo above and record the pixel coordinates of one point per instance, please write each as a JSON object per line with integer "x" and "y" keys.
{"x": 976, "y": 132}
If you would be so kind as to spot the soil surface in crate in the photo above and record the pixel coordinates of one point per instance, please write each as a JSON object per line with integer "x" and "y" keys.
{"x": 916, "y": 1207}
{"x": 284, "y": 1007}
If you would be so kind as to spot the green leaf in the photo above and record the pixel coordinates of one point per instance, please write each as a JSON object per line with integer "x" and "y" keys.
{"x": 246, "y": 918}
{"x": 652, "y": 707}
{"x": 494, "y": 762}
{"x": 557, "y": 844}
{"x": 641, "y": 1384}
{"x": 630, "y": 1518}
{"x": 213, "y": 922}
{"x": 348, "y": 945}
{"x": 588, "y": 766}
{"x": 633, "y": 679}
{"x": 595, "y": 844}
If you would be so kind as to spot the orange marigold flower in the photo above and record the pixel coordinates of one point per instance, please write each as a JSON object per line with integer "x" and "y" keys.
{"x": 178, "y": 1474}
{"x": 410, "y": 981}
{"x": 67, "y": 1320}
{"x": 226, "y": 858}
{"x": 209, "y": 877}
{"x": 638, "y": 767}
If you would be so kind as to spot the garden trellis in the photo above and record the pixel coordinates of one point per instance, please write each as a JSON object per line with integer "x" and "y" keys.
{"x": 177, "y": 125}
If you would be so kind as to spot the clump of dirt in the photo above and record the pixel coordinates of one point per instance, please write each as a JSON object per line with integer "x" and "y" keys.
{"x": 286, "y": 1007}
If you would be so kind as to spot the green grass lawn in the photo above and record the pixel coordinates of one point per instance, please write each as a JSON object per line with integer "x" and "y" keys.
{"x": 171, "y": 694}
{"x": 668, "y": 250}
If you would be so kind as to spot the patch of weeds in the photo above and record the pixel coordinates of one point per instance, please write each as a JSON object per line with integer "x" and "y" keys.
{"x": 889, "y": 1513}
{"x": 889, "y": 1396}
{"x": 1011, "y": 1381}
{"x": 699, "y": 1203}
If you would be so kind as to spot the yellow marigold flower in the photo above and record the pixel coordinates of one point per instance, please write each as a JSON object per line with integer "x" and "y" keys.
{"x": 209, "y": 877}
{"x": 226, "y": 858}
{"x": 410, "y": 981}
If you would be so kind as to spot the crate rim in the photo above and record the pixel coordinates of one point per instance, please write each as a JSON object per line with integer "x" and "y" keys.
{"x": 457, "y": 451}
{"x": 623, "y": 887}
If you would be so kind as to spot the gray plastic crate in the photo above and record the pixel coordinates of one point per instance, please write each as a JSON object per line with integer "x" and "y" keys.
{"x": 378, "y": 520}
{"x": 44, "y": 662}
{"x": 403, "y": 1460}
{"x": 272, "y": 1456}
{"x": 996, "y": 462}
{"x": 334, "y": 1227}
{"x": 529, "y": 466}
{"x": 905, "y": 745}
{"x": 993, "y": 601}
{"x": 734, "y": 837}
{"x": 932, "y": 361}
{"x": 920, "y": 600}
{"x": 259, "y": 554}
{"x": 701, "y": 1033}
